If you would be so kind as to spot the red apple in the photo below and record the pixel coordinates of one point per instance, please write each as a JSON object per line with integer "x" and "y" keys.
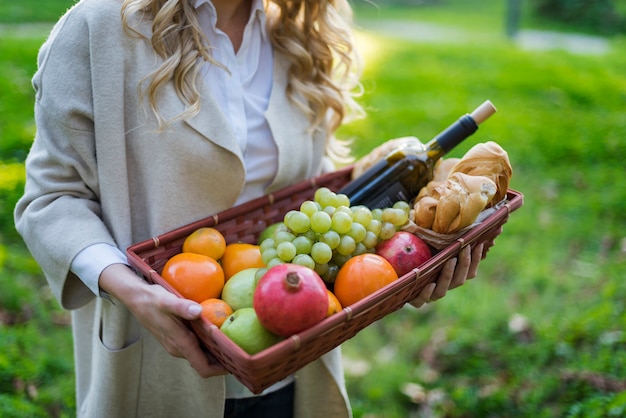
{"x": 404, "y": 251}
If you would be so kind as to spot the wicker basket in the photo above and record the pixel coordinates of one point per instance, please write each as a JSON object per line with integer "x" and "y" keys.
{"x": 244, "y": 223}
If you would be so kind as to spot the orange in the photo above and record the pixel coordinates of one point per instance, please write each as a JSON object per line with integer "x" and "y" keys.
{"x": 195, "y": 276}
{"x": 207, "y": 241}
{"x": 361, "y": 276}
{"x": 240, "y": 256}
{"x": 216, "y": 311}
{"x": 333, "y": 304}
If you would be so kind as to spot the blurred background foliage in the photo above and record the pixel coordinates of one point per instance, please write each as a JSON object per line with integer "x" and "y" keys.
{"x": 540, "y": 332}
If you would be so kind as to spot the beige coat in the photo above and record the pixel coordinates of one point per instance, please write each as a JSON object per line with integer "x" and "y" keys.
{"x": 99, "y": 172}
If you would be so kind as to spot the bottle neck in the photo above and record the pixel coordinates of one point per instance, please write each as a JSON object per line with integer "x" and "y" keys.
{"x": 452, "y": 135}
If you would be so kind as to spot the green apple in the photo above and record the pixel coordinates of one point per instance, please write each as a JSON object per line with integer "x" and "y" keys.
{"x": 268, "y": 232}
{"x": 239, "y": 289}
{"x": 245, "y": 330}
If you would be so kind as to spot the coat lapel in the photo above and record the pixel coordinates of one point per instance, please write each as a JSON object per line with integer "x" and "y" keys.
{"x": 211, "y": 123}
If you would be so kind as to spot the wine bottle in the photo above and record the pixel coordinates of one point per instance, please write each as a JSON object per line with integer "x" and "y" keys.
{"x": 402, "y": 173}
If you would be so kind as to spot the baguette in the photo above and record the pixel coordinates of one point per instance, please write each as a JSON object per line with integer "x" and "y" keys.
{"x": 489, "y": 160}
{"x": 454, "y": 204}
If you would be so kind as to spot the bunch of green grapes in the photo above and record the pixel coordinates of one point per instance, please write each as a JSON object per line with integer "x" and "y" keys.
{"x": 327, "y": 231}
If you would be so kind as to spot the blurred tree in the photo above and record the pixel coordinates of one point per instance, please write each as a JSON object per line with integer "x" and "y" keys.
{"x": 602, "y": 16}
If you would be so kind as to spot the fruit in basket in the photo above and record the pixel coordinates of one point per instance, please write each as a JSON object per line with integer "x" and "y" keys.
{"x": 290, "y": 298}
{"x": 245, "y": 330}
{"x": 208, "y": 241}
{"x": 268, "y": 232}
{"x": 195, "y": 276}
{"x": 333, "y": 304}
{"x": 326, "y": 231}
{"x": 215, "y": 311}
{"x": 361, "y": 276}
{"x": 239, "y": 289}
{"x": 240, "y": 256}
{"x": 404, "y": 251}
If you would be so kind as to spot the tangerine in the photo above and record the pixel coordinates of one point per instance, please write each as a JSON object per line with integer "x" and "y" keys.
{"x": 240, "y": 256}
{"x": 196, "y": 277}
{"x": 333, "y": 304}
{"x": 216, "y": 311}
{"x": 208, "y": 241}
{"x": 361, "y": 276}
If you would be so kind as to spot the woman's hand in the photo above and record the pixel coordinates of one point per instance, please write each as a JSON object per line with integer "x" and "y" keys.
{"x": 162, "y": 313}
{"x": 454, "y": 273}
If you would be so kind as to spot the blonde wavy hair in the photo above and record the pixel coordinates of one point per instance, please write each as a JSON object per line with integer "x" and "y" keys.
{"x": 314, "y": 35}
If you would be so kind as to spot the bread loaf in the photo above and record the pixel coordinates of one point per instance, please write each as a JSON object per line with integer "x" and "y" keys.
{"x": 454, "y": 204}
{"x": 489, "y": 160}
{"x": 440, "y": 174}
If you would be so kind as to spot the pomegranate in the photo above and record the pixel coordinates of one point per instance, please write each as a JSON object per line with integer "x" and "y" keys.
{"x": 290, "y": 298}
{"x": 404, "y": 251}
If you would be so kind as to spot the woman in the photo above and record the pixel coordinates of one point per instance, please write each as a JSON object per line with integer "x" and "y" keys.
{"x": 152, "y": 114}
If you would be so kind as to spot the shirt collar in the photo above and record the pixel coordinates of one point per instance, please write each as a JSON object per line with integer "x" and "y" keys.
{"x": 257, "y": 11}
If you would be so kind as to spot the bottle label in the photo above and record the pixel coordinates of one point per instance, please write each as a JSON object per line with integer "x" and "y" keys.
{"x": 394, "y": 193}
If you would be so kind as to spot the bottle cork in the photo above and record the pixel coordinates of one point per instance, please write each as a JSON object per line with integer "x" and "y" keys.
{"x": 482, "y": 112}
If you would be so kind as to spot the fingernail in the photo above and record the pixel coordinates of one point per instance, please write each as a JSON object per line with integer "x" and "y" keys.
{"x": 194, "y": 309}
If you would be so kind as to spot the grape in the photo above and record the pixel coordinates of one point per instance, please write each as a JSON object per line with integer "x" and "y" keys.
{"x": 325, "y": 197}
{"x": 357, "y": 232}
{"x": 274, "y": 262}
{"x": 370, "y": 240}
{"x": 281, "y": 227}
{"x": 342, "y": 200}
{"x": 303, "y": 244}
{"x": 320, "y": 222}
{"x": 309, "y": 207}
{"x": 331, "y": 238}
{"x": 321, "y": 253}
{"x": 286, "y": 251}
{"x": 401, "y": 204}
{"x": 359, "y": 249}
{"x": 374, "y": 226}
{"x": 331, "y": 274}
{"x": 341, "y": 222}
{"x": 267, "y": 254}
{"x": 397, "y": 217}
{"x": 288, "y": 216}
{"x": 362, "y": 215}
{"x": 321, "y": 268}
{"x": 311, "y": 235}
{"x": 298, "y": 222}
{"x": 347, "y": 245}
{"x": 340, "y": 259}
{"x": 304, "y": 260}
{"x": 387, "y": 231}
{"x": 345, "y": 209}
{"x": 283, "y": 236}
{"x": 325, "y": 232}
{"x": 329, "y": 210}
{"x": 267, "y": 243}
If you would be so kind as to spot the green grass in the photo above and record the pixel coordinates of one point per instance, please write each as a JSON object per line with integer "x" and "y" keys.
{"x": 33, "y": 10}
{"x": 559, "y": 263}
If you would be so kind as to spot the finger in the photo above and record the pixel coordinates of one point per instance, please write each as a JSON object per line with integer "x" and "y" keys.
{"x": 182, "y": 342}
{"x": 462, "y": 267}
{"x": 445, "y": 277}
{"x": 477, "y": 254}
{"x": 183, "y": 308}
{"x": 424, "y": 296}
{"x": 190, "y": 349}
